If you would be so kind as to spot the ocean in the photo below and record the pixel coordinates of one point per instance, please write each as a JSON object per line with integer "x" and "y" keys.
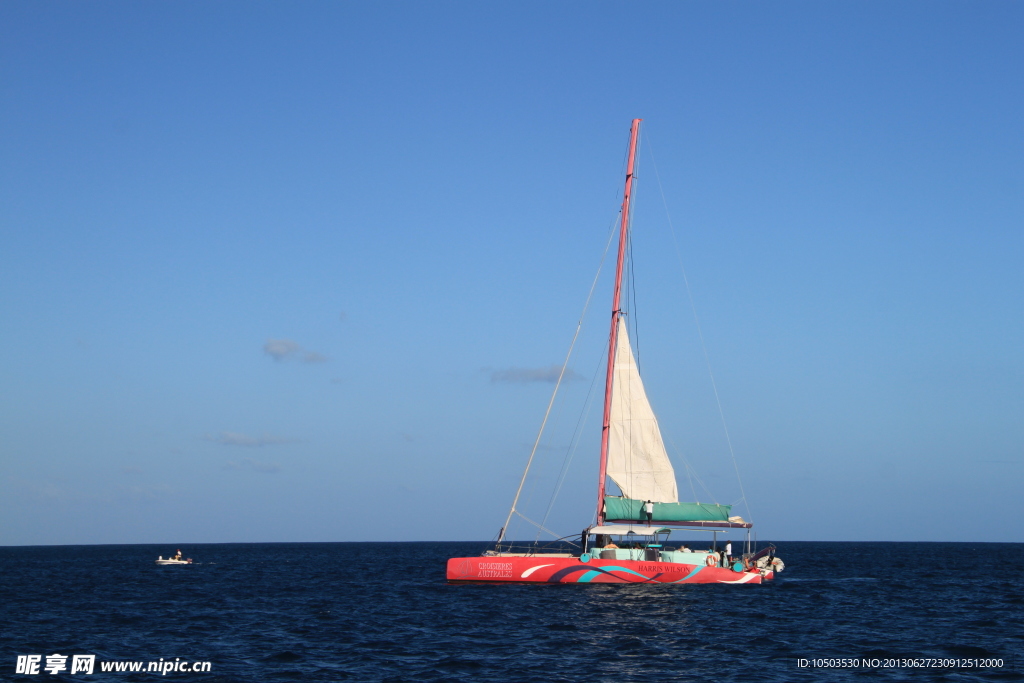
{"x": 384, "y": 612}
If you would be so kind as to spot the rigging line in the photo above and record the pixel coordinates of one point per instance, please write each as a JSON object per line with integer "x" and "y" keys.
{"x": 555, "y": 419}
{"x": 629, "y": 246}
{"x": 574, "y": 444}
{"x": 691, "y": 473}
{"x": 703, "y": 346}
{"x": 686, "y": 464}
{"x": 558, "y": 383}
{"x": 631, "y": 293}
{"x": 537, "y": 525}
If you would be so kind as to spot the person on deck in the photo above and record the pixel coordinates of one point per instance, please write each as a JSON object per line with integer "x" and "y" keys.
{"x": 649, "y": 510}
{"x": 728, "y": 553}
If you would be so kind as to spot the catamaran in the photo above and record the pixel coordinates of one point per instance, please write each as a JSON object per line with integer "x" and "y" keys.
{"x": 629, "y": 542}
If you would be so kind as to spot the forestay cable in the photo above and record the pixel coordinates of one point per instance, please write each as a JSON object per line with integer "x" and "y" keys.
{"x": 558, "y": 384}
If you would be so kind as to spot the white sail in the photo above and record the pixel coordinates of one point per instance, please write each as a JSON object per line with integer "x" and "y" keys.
{"x": 637, "y": 460}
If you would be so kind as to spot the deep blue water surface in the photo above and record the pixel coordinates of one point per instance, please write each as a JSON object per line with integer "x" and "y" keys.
{"x": 384, "y": 612}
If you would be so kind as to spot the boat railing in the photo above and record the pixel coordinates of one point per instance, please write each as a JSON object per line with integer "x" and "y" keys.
{"x": 557, "y": 548}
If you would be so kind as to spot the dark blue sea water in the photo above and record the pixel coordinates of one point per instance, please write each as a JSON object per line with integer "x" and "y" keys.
{"x": 384, "y": 612}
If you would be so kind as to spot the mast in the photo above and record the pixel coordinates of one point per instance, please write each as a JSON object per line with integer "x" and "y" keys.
{"x": 634, "y": 134}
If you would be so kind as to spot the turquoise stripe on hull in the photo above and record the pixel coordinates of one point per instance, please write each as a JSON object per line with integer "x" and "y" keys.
{"x": 690, "y": 575}
{"x": 585, "y": 578}
{"x": 589, "y": 576}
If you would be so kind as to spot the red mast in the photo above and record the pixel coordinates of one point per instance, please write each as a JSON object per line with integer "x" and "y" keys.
{"x": 634, "y": 133}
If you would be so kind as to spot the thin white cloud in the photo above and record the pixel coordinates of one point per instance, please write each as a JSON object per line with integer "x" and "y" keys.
{"x": 236, "y": 439}
{"x": 285, "y": 349}
{"x": 279, "y": 349}
{"x": 528, "y": 375}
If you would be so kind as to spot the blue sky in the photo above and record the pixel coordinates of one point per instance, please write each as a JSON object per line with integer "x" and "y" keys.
{"x": 295, "y": 272}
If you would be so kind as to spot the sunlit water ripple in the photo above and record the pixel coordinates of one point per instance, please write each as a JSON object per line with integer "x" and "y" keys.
{"x": 383, "y": 612}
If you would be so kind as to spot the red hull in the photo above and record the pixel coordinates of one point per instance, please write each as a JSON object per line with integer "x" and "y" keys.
{"x": 572, "y": 570}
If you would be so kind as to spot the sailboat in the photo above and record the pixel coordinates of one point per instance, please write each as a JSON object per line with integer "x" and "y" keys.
{"x": 629, "y": 542}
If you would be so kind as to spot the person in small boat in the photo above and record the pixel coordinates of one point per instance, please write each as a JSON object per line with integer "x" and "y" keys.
{"x": 178, "y": 556}
{"x": 649, "y": 510}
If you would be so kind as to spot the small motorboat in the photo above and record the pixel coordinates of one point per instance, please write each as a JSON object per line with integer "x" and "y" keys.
{"x": 173, "y": 560}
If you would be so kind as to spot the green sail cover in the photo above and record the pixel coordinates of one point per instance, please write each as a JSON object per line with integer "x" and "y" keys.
{"x": 616, "y": 508}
